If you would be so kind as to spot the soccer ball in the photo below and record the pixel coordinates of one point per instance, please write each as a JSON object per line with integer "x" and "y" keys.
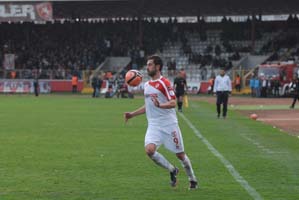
{"x": 254, "y": 116}
{"x": 133, "y": 77}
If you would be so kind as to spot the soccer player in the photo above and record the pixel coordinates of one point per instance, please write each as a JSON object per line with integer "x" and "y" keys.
{"x": 180, "y": 86}
{"x": 163, "y": 129}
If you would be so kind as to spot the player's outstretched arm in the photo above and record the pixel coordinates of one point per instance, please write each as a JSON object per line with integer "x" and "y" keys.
{"x": 139, "y": 111}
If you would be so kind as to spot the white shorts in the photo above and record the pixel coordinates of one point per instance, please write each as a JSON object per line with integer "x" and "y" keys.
{"x": 170, "y": 136}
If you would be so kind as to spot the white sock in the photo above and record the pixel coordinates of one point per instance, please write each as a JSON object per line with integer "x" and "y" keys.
{"x": 188, "y": 168}
{"x": 160, "y": 160}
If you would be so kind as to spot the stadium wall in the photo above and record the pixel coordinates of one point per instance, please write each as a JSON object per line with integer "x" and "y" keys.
{"x": 45, "y": 86}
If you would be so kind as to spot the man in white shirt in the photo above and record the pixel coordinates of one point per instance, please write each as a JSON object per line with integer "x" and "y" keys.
{"x": 163, "y": 129}
{"x": 222, "y": 89}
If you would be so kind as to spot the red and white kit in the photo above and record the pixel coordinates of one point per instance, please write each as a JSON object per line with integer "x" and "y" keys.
{"x": 162, "y": 123}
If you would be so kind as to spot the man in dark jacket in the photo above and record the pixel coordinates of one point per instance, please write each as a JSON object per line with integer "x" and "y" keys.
{"x": 36, "y": 87}
{"x": 294, "y": 91}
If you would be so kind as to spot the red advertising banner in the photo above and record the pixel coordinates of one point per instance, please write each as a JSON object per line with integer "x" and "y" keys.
{"x": 15, "y": 11}
{"x": 45, "y": 86}
{"x": 23, "y": 86}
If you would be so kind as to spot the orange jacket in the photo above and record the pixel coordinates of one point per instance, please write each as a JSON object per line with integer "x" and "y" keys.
{"x": 211, "y": 81}
{"x": 13, "y": 74}
{"x": 74, "y": 80}
{"x": 238, "y": 80}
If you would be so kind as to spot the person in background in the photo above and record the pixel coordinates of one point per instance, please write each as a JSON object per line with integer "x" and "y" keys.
{"x": 180, "y": 88}
{"x": 95, "y": 86}
{"x": 100, "y": 83}
{"x": 257, "y": 87}
{"x": 222, "y": 89}
{"x": 74, "y": 83}
{"x": 276, "y": 85}
{"x": 238, "y": 83}
{"x": 294, "y": 87}
{"x": 264, "y": 89}
{"x": 211, "y": 85}
{"x": 36, "y": 87}
{"x": 251, "y": 84}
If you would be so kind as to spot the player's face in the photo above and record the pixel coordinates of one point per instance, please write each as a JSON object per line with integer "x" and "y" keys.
{"x": 151, "y": 68}
{"x": 222, "y": 73}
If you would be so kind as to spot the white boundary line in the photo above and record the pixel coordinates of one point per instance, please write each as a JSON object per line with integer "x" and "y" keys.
{"x": 235, "y": 174}
{"x": 278, "y": 119}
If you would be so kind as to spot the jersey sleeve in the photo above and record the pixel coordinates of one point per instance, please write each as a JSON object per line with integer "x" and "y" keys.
{"x": 169, "y": 93}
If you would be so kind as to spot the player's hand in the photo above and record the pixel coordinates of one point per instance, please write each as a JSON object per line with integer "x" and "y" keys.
{"x": 127, "y": 116}
{"x": 155, "y": 101}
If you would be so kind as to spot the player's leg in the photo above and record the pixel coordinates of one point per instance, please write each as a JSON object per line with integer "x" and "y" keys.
{"x": 294, "y": 101}
{"x": 218, "y": 103}
{"x": 179, "y": 100}
{"x": 153, "y": 140}
{"x": 180, "y": 103}
{"x": 159, "y": 159}
{"x": 225, "y": 101}
{"x": 174, "y": 143}
{"x": 186, "y": 163}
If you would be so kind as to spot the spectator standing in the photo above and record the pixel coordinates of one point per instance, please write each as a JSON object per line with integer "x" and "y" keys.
{"x": 95, "y": 86}
{"x": 238, "y": 83}
{"x": 36, "y": 87}
{"x": 264, "y": 87}
{"x": 74, "y": 83}
{"x": 251, "y": 84}
{"x": 211, "y": 85}
{"x": 276, "y": 85}
{"x": 257, "y": 87}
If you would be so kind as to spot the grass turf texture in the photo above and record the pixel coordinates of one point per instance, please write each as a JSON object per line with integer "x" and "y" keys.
{"x": 75, "y": 147}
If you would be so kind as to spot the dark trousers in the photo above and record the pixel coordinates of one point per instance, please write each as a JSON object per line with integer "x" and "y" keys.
{"x": 74, "y": 90}
{"x": 295, "y": 98}
{"x": 238, "y": 87}
{"x": 276, "y": 91}
{"x": 36, "y": 91}
{"x": 222, "y": 98}
{"x": 94, "y": 93}
{"x": 264, "y": 92}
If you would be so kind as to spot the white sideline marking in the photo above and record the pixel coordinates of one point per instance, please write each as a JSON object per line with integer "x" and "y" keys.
{"x": 235, "y": 174}
{"x": 278, "y": 119}
{"x": 265, "y": 149}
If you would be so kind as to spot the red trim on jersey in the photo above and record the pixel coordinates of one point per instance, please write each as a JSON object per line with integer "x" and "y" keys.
{"x": 164, "y": 86}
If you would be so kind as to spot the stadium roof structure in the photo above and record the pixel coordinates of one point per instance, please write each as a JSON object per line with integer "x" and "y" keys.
{"x": 167, "y": 8}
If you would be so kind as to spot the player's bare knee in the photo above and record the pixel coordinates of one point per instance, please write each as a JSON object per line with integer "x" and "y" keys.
{"x": 150, "y": 149}
{"x": 181, "y": 156}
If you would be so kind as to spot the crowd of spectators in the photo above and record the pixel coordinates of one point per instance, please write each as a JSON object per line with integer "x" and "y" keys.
{"x": 72, "y": 46}
{"x": 58, "y": 50}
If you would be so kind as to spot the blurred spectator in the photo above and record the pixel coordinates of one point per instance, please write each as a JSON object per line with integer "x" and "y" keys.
{"x": 95, "y": 86}
{"x": 238, "y": 83}
{"x": 74, "y": 83}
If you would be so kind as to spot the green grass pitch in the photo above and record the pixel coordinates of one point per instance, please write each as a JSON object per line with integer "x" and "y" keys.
{"x": 78, "y": 148}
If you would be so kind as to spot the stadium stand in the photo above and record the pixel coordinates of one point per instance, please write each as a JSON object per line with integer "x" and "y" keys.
{"x": 81, "y": 38}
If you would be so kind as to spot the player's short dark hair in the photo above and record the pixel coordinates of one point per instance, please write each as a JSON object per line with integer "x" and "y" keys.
{"x": 157, "y": 60}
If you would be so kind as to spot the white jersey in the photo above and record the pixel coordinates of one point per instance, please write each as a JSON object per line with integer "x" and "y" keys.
{"x": 160, "y": 88}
